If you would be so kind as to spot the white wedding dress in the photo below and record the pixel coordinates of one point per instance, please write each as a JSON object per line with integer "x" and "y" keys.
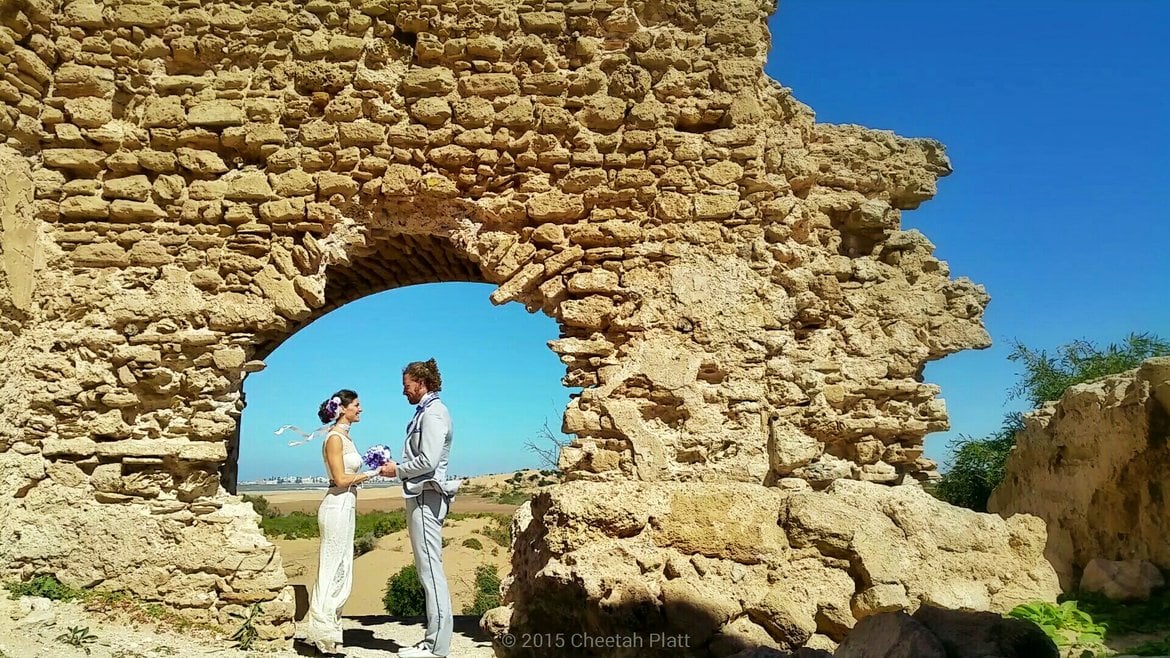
{"x": 335, "y": 520}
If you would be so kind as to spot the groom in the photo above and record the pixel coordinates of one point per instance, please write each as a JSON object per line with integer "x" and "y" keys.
{"x": 428, "y": 495}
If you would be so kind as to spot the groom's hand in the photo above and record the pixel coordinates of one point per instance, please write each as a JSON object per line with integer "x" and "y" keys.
{"x": 389, "y": 469}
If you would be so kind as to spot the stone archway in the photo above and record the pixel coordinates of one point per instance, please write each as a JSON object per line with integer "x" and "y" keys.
{"x": 183, "y": 185}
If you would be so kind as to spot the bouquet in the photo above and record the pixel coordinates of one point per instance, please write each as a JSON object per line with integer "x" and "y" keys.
{"x": 376, "y": 456}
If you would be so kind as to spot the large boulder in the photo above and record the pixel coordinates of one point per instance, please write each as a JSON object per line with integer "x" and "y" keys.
{"x": 727, "y": 567}
{"x": 1095, "y": 465}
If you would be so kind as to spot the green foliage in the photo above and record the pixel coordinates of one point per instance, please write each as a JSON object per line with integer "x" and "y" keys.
{"x": 44, "y": 586}
{"x": 260, "y": 504}
{"x": 380, "y": 524}
{"x": 245, "y": 636}
{"x": 1149, "y": 616}
{"x": 364, "y": 544}
{"x": 978, "y": 466}
{"x": 404, "y": 595}
{"x": 79, "y": 637}
{"x": 978, "y": 463}
{"x": 1065, "y": 624}
{"x": 473, "y": 543}
{"x": 499, "y": 531}
{"x": 295, "y": 525}
{"x": 513, "y": 497}
{"x": 1046, "y": 377}
{"x": 487, "y": 591}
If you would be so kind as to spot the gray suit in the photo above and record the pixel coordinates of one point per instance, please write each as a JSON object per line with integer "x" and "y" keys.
{"x": 428, "y": 496}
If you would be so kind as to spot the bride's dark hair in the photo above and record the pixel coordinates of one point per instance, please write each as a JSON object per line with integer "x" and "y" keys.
{"x": 329, "y": 412}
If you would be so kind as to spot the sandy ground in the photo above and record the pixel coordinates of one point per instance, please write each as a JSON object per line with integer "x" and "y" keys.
{"x": 372, "y": 570}
{"x": 30, "y": 628}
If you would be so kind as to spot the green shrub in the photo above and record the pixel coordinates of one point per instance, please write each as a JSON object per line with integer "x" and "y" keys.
{"x": 513, "y": 497}
{"x": 487, "y": 591}
{"x": 260, "y": 504}
{"x": 473, "y": 543}
{"x": 499, "y": 531}
{"x": 295, "y": 525}
{"x": 404, "y": 594}
{"x": 45, "y": 586}
{"x": 977, "y": 465}
{"x": 1063, "y": 623}
{"x": 380, "y": 524}
{"x": 364, "y": 544}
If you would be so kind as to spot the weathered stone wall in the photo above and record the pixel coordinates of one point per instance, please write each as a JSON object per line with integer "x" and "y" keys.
{"x": 191, "y": 183}
{"x": 1096, "y": 466}
{"x": 727, "y": 567}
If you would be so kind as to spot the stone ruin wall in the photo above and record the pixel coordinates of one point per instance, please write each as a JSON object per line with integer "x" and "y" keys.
{"x": 183, "y": 185}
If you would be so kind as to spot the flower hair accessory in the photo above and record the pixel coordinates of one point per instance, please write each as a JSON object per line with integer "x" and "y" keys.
{"x": 333, "y": 406}
{"x": 376, "y": 456}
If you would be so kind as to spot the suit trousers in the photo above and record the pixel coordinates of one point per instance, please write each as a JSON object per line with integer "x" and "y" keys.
{"x": 425, "y": 514}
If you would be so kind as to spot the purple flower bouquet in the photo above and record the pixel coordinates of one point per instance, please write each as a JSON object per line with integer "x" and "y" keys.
{"x": 376, "y": 456}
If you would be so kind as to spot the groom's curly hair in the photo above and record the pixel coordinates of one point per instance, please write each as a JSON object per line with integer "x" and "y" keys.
{"x": 426, "y": 372}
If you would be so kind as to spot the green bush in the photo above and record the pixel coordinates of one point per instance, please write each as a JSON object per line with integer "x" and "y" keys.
{"x": 513, "y": 497}
{"x": 364, "y": 544}
{"x": 978, "y": 463}
{"x": 473, "y": 543}
{"x": 295, "y": 525}
{"x": 977, "y": 466}
{"x": 44, "y": 586}
{"x": 260, "y": 504}
{"x": 1063, "y": 623}
{"x": 499, "y": 531}
{"x": 487, "y": 591}
{"x": 404, "y": 595}
{"x": 380, "y": 524}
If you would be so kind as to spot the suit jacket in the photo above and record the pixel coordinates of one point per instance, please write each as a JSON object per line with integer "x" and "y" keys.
{"x": 427, "y": 449}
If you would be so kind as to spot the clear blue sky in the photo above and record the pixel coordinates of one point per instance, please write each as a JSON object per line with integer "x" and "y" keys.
{"x": 1056, "y": 116}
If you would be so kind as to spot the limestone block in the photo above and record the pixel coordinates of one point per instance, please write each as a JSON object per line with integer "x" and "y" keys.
{"x": 489, "y": 85}
{"x": 555, "y": 206}
{"x": 134, "y": 188}
{"x": 427, "y": 82}
{"x": 134, "y": 211}
{"x": 216, "y": 114}
{"x": 163, "y": 112}
{"x": 89, "y": 112}
{"x": 147, "y": 16}
{"x": 84, "y": 207}
{"x": 282, "y": 293}
{"x": 82, "y": 161}
{"x": 200, "y": 162}
{"x": 103, "y": 254}
{"x": 715, "y": 206}
{"x": 604, "y": 114}
{"x": 362, "y": 133}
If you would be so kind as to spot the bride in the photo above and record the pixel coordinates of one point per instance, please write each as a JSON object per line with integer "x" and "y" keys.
{"x": 335, "y": 521}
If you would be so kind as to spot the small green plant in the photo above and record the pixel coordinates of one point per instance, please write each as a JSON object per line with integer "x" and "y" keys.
{"x": 446, "y": 540}
{"x": 245, "y": 636}
{"x": 513, "y": 497}
{"x": 499, "y": 531}
{"x": 260, "y": 504}
{"x": 44, "y": 586}
{"x": 364, "y": 544}
{"x": 473, "y": 544}
{"x": 404, "y": 595}
{"x": 487, "y": 591}
{"x": 1064, "y": 623}
{"x": 79, "y": 637}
